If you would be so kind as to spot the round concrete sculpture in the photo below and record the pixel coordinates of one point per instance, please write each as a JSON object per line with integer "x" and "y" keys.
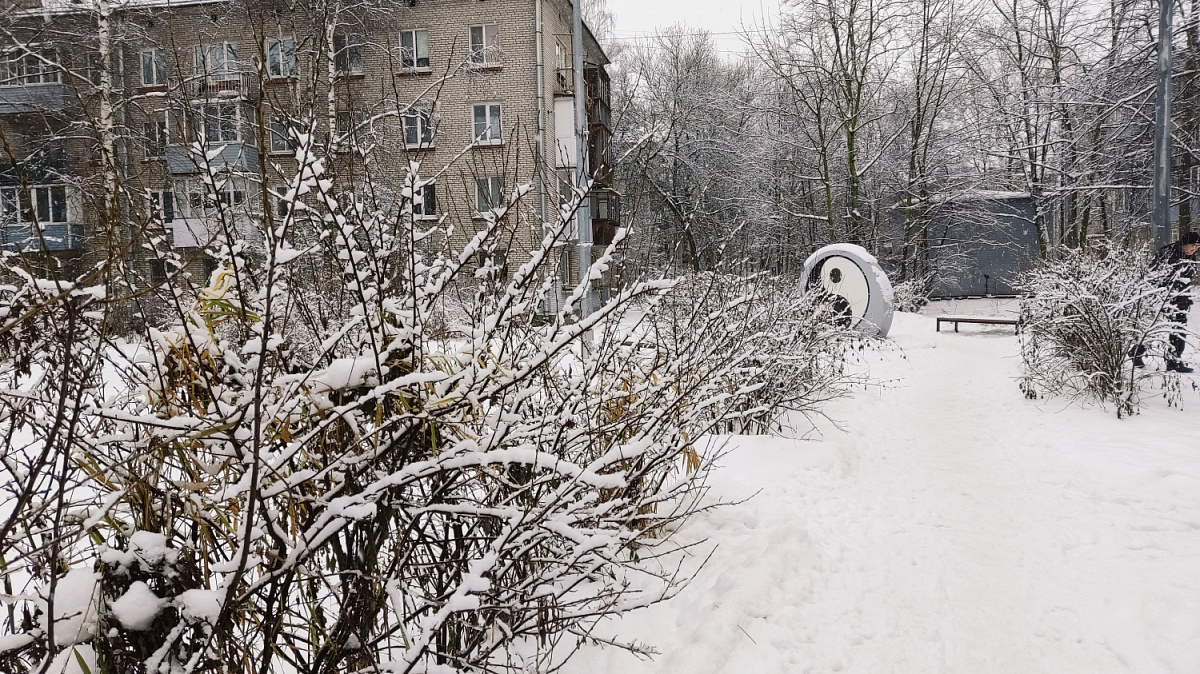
{"x": 858, "y": 288}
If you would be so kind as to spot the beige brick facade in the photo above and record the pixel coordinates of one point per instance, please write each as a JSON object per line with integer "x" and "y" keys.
{"x": 225, "y": 105}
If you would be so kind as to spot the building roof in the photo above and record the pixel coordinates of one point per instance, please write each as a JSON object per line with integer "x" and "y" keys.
{"x": 64, "y": 7}
{"x": 979, "y": 195}
{"x": 592, "y": 46}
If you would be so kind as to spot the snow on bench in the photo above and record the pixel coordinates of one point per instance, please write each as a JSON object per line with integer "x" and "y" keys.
{"x": 983, "y": 320}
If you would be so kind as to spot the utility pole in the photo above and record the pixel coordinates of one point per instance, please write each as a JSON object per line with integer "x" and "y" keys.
{"x": 1161, "y": 224}
{"x": 583, "y": 216}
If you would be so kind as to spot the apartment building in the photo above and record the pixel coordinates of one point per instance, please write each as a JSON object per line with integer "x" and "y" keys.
{"x": 157, "y": 97}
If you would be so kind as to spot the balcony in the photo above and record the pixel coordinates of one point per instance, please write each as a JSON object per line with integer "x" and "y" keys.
{"x": 35, "y": 98}
{"x": 221, "y": 85}
{"x": 54, "y": 238}
{"x": 605, "y": 208}
{"x": 238, "y": 157}
{"x": 564, "y": 82}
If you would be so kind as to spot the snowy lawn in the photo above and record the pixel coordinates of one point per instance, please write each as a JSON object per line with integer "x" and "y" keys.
{"x": 950, "y": 526}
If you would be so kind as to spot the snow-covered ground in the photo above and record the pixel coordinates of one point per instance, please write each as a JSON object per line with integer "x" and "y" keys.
{"x": 943, "y": 523}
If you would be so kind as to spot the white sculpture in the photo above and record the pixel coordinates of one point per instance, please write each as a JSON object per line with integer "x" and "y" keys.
{"x": 857, "y": 285}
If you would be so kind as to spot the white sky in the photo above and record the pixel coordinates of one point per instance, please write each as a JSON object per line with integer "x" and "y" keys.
{"x": 636, "y": 19}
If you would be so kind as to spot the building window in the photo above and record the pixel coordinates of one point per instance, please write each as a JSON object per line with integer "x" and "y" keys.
{"x": 485, "y": 45}
{"x": 162, "y": 205}
{"x": 489, "y": 193}
{"x": 351, "y": 134}
{"x": 30, "y": 66}
{"x": 95, "y": 68}
{"x": 566, "y": 187}
{"x": 487, "y": 124}
{"x": 218, "y": 61}
{"x": 564, "y": 70}
{"x": 282, "y": 206}
{"x": 281, "y": 138}
{"x": 154, "y": 68}
{"x": 418, "y": 131}
{"x": 155, "y": 134}
{"x": 348, "y": 54}
{"x": 425, "y": 201}
{"x": 414, "y": 49}
{"x": 606, "y": 206}
{"x": 221, "y": 122}
{"x": 496, "y": 262}
{"x": 281, "y": 58}
{"x": 158, "y": 271}
{"x": 195, "y": 200}
{"x": 47, "y": 202}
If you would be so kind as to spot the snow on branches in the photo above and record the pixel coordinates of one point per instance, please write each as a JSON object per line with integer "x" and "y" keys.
{"x": 292, "y": 474}
{"x": 1086, "y": 319}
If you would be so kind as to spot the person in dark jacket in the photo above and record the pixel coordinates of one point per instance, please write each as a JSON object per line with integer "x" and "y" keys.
{"x": 1176, "y": 262}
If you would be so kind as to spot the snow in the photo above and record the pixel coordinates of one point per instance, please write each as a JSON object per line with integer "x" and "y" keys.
{"x": 138, "y": 607}
{"x": 75, "y": 597}
{"x": 12, "y": 642}
{"x": 144, "y": 546}
{"x": 79, "y": 659}
{"x": 942, "y": 522}
{"x": 200, "y": 605}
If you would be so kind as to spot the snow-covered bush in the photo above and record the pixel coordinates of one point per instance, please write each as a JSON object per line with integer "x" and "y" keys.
{"x": 783, "y": 343}
{"x": 912, "y": 294}
{"x": 421, "y": 479}
{"x": 1084, "y": 319}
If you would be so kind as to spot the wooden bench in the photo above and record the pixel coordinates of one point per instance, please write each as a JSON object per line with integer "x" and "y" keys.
{"x": 982, "y": 320}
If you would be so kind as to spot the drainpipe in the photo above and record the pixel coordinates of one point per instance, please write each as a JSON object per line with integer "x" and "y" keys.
{"x": 1160, "y": 229}
{"x": 583, "y": 216}
{"x": 541, "y": 112}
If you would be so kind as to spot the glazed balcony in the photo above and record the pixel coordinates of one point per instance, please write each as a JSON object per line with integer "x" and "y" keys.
{"x": 53, "y": 238}
{"x": 235, "y": 156}
{"x": 35, "y": 98}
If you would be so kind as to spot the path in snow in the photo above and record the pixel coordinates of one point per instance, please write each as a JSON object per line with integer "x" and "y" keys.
{"x": 952, "y": 527}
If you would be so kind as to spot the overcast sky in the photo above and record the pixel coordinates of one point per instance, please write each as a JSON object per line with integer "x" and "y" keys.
{"x": 638, "y": 18}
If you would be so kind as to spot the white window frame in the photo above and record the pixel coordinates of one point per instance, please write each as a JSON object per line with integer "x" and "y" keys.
{"x": 237, "y": 121}
{"x": 344, "y": 62}
{"x": 493, "y": 189}
{"x": 227, "y": 67}
{"x": 422, "y": 120}
{"x": 427, "y": 208}
{"x": 483, "y": 41}
{"x": 411, "y": 57}
{"x": 350, "y": 131}
{"x": 499, "y": 261}
{"x": 280, "y": 139}
{"x": 15, "y": 68}
{"x": 193, "y": 200}
{"x": 162, "y": 204}
{"x": 156, "y": 74}
{"x": 560, "y": 55}
{"x": 278, "y": 65}
{"x": 156, "y": 132}
{"x": 492, "y": 130}
{"x": 565, "y": 178}
{"x": 13, "y": 205}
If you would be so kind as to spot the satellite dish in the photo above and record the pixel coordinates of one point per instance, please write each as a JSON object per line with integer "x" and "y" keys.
{"x": 860, "y": 291}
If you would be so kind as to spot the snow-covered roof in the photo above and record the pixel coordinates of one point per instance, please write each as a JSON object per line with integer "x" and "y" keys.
{"x": 592, "y": 46}
{"x": 62, "y": 7}
{"x": 979, "y": 195}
